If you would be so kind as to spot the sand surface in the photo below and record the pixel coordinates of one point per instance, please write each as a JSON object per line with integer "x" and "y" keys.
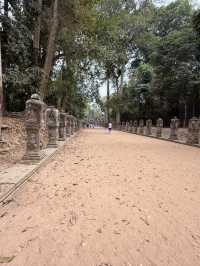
{"x": 107, "y": 200}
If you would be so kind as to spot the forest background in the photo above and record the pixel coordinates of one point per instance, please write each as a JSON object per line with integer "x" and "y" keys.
{"x": 146, "y": 52}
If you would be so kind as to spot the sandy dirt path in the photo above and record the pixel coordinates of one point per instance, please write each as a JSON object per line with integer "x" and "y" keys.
{"x": 108, "y": 200}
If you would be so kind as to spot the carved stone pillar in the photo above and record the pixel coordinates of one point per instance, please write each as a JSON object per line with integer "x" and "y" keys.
{"x": 72, "y": 124}
{"x": 174, "y": 125}
{"x": 33, "y": 123}
{"x": 130, "y": 126}
{"x": 62, "y": 126}
{"x": 148, "y": 127}
{"x": 193, "y": 131}
{"x": 78, "y": 124}
{"x": 135, "y": 126}
{"x": 122, "y": 126}
{"x": 75, "y": 125}
{"x": 52, "y": 118}
{"x": 118, "y": 126}
{"x": 67, "y": 123}
{"x": 159, "y": 127}
{"x": 141, "y": 126}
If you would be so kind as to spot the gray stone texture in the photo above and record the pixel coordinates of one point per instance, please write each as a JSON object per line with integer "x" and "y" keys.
{"x": 174, "y": 125}
{"x": 68, "y": 129}
{"x": 127, "y": 126}
{"x": 33, "y": 123}
{"x": 141, "y": 127}
{"x": 52, "y": 119}
{"x": 159, "y": 127}
{"x": 123, "y": 126}
{"x": 62, "y": 126}
{"x": 193, "y": 131}
{"x": 130, "y": 126}
{"x": 148, "y": 127}
{"x": 135, "y": 126}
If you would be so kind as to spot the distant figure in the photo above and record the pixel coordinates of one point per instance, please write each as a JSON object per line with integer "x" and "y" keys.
{"x": 109, "y": 127}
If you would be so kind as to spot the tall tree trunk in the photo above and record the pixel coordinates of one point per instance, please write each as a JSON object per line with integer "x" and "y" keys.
{"x": 4, "y": 62}
{"x": 36, "y": 34}
{"x": 120, "y": 93}
{"x": 1, "y": 92}
{"x": 108, "y": 99}
{"x": 4, "y": 39}
{"x": 50, "y": 51}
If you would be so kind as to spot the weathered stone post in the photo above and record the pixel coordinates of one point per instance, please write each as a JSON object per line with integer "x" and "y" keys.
{"x": 52, "y": 118}
{"x": 174, "y": 125}
{"x": 76, "y": 124}
{"x": 127, "y": 126}
{"x": 141, "y": 126}
{"x": 193, "y": 131}
{"x": 33, "y": 122}
{"x": 135, "y": 126}
{"x": 67, "y": 124}
{"x": 123, "y": 126}
{"x": 148, "y": 127}
{"x": 159, "y": 127}
{"x": 130, "y": 126}
{"x": 79, "y": 124}
{"x": 71, "y": 124}
{"x": 62, "y": 126}
{"x": 117, "y": 126}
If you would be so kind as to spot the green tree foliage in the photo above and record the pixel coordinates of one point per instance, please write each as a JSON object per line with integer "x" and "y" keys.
{"x": 66, "y": 50}
{"x": 38, "y": 37}
{"x": 16, "y": 54}
{"x": 165, "y": 69}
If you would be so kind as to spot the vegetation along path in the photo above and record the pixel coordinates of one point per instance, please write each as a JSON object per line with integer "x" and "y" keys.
{"x": 107, "y": 200}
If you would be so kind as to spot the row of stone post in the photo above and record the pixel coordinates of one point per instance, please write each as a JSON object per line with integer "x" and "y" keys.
{"x": 58, "y": 124}
{"x": 135, "y": 127}
{"x": 193, "y": 136}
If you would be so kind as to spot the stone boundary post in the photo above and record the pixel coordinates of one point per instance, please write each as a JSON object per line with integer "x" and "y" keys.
{"x": 193, "y": 131}
{"x": 159, "y": 127}
{"x": 72, "y": 124}
{"x": 126, "y": 126}
{"x": 62, "y": 126}
{"x": 68, "y": 126}
{"x": 174, "y": 125}
{"x": 148, "y": 127}
{"x": 141, "y": 127}
{"x": 130, "y": 126}
{"x": 135, "y": 126}
{"x": 123, "y": 126}
{"x": 33, "y": 123}
{"x": 52, "y": 118}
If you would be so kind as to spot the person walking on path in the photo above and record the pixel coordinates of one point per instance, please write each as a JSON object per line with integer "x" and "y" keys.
{"x": 109, "y": 127}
